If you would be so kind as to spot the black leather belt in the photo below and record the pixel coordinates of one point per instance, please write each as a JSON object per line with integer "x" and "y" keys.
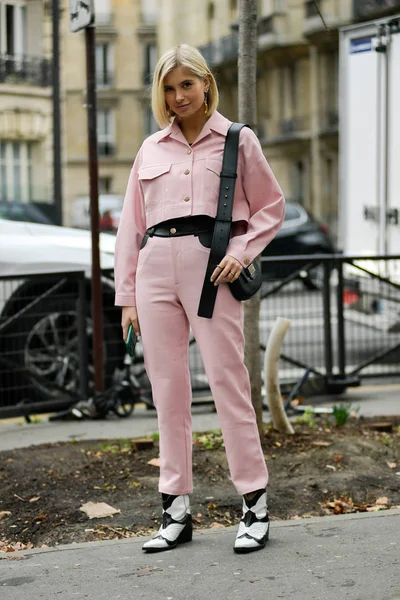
{"x": 182, "y": 226}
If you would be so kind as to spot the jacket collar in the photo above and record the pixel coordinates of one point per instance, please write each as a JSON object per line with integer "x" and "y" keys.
{"x": 216, "y": 122}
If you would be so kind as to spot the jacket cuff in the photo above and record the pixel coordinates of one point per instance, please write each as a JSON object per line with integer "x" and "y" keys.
{"x": 125, "y": 300}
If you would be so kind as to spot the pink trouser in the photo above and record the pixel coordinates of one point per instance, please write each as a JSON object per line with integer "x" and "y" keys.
{"x": 169, "y": 280}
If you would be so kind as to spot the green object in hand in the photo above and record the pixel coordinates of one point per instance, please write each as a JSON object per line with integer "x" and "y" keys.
{"x": 131, "y": 341}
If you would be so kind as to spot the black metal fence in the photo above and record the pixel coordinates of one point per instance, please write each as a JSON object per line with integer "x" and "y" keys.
{"x": 345, "y": 326}
{"x": 345, "y": 319}
{"x": 31, "y": 70}
{"x": 43, "y": 342}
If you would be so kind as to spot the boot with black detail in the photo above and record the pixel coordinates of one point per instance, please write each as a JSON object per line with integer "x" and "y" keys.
{"x": 177, "y": 526}
{"x": 253, "y": 530}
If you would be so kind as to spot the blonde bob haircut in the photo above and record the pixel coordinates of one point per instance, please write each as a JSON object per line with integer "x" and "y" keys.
{"x": 189, "y": 58}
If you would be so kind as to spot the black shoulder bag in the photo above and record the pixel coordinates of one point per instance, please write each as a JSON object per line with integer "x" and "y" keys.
{"x": 250, "y": 280}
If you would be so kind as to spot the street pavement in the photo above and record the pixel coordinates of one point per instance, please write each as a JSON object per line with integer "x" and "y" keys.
{"x": 329, "y": 558}
{"x": 16, "y": 433}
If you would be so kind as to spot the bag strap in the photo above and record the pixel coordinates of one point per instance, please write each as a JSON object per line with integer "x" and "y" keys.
{"x": 223, "y": 220}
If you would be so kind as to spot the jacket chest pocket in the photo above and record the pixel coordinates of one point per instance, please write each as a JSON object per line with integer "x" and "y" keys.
{"x": 154, "y": 183}
{"x": 212, "y": 178}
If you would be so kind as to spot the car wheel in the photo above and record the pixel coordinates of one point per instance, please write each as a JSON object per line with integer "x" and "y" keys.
{"x": 47, "y": 347}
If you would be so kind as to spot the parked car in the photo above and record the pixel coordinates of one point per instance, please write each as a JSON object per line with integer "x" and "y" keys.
{"x": 38, "y": 328}
{"x": 23, "y": 211}
{"x": 300, "y": 234}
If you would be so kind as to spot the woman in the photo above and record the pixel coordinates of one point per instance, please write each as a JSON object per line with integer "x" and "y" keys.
{"x": 160, "y": 263}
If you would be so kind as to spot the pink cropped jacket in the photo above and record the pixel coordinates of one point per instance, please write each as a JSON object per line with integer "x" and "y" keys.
{"x": 171, "y": 179}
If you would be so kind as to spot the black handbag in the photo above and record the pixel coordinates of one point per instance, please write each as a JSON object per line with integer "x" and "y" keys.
{"x": 250, "y": 279}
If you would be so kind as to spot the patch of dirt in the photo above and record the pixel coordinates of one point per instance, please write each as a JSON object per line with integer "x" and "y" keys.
{"x": 320, "y": 470}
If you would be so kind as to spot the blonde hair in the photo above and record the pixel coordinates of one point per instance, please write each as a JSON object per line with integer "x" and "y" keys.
{"x": 189, "y": 58}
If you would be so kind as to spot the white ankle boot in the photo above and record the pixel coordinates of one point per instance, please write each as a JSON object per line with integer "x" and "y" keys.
{"x": 254, "y": 525}
{"x": 176, "y": 525}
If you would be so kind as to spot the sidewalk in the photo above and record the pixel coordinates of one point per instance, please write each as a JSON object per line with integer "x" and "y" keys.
{"x": 345, "y": 557}
{"x": 16, "y": 433}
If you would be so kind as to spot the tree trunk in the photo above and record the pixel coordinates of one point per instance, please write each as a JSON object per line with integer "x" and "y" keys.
{"x": 247, "y": 68}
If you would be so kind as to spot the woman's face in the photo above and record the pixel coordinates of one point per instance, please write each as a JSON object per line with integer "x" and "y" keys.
{"x": 184, "y": 92}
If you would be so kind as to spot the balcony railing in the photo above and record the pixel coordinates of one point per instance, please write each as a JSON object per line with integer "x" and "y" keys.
{"x": 374, "y": 8}
{"x": 310, "y": 8}
{"x": 329, "y": 120}
{"x": 265, "y": 25}
{"x": 223, "y": 50}
{"x": 294, "y": 125}
{"x": 105, "y": 79}
{"x": 26, "y": 70}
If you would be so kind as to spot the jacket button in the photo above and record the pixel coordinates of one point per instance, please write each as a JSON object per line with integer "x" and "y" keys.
{"x": 189, "y": 151}
{"x": 186, "y": 198}
{"x": 172, "y": 230}
{"x": 186, "y": 171}
{"x": 246, "y": 261}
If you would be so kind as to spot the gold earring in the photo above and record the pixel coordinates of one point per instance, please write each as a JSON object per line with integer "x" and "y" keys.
{"x": 205, "y": 102}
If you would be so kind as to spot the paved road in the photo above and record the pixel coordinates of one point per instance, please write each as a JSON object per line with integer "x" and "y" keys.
{"x": 349, "y": 557}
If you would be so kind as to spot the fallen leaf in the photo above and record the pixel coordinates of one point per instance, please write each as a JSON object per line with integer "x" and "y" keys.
{"x": 321, "y": 443}
{"x": 211, "y": 506}
{"x": 338, "y": 458}
{"x": 4, "y": 514}
{"x": 98, "y": 510}
{"x": 382, "y": 500}
{"x": 34, "y": 499}
{"x": 155, "y": 462}
{"x": 391, "y": 465}
{"x": 216, "y": 525}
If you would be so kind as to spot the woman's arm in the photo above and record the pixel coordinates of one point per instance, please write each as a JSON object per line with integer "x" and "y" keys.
{"x": 264, "y": 197}
{"x": 132, "y": 227}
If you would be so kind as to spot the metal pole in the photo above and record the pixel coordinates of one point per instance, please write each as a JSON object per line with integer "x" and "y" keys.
{"x": 340, "y": 321}
{"x": 97, "y": 300}
{"x": 57, "y": 177}
{"x": 82, "y": 339}
{"x": 326, "y": 296}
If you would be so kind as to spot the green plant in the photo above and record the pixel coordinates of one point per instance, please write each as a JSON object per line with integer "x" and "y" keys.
{"x": 121, "y": 445}
{"x": 155, "y": 436}
{"x": 210, "y": 440}
{"x": 307, "y": 418}
{"x": 387, "y": 440}
{"x": 342, "y": 412}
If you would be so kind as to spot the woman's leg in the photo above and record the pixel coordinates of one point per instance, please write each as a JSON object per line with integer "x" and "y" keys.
{"x": 165, "y": 335}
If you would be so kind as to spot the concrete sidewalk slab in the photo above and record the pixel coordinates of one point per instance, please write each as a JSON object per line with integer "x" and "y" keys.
{"x": 330, "y": 558}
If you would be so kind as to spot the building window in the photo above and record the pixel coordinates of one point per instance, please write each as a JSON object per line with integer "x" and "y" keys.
{"x": 102, "y": 11}
{"x": 12, "y": 28}
{"x": 150, "y": 124}
{"x": 104, "y": 65}
{"x": 149, "y": 62}
{"x": 298, "y": 182}
{"x": 149, "y": 12}
{"x": 15, "y": 172}
{"x": 105, "y": 132}
{"x": 105, "y": 185}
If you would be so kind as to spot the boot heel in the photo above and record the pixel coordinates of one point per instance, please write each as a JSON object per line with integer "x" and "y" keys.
{"x": 186, "y": 534}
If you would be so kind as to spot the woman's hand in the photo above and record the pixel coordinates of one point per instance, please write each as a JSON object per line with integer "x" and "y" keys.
{"x": 227, "y": 271}
{"x": 129, "y": 315}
